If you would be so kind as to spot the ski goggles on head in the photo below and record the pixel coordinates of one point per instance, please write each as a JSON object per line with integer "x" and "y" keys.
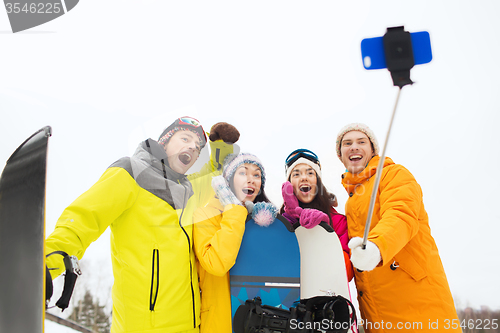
{"x": 305, "y": 153}
{"x": 189, "y": 121}
{"x": 184, "y": 123}
{"x": 307, "y": 156}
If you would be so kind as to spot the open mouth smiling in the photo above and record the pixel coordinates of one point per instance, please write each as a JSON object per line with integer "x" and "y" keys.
{"x": 355, "y": 158}
{"x": 305, "y": 188}
{"x": 248, "y": 191}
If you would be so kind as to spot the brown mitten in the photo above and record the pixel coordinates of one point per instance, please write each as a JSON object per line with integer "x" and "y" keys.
{"x": 225, "y": 132}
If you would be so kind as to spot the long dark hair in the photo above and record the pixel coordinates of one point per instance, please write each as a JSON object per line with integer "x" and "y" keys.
{"x": 323, "y": 200}
{"x": 261, "y": 197}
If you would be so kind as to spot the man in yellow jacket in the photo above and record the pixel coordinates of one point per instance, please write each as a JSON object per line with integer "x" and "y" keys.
{"x": 400, "y": 279}
{"x": 148, "y": 203}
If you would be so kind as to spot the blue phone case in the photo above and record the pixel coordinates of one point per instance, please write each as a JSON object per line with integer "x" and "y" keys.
{"x": 373, "y": 56}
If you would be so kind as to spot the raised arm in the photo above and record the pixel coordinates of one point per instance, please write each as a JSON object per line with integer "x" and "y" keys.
{"x": 84, "y": 220}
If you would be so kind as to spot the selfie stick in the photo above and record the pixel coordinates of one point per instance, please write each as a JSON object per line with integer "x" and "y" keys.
{"x": 399, "y": 58}
{"x": 378, "y": 174}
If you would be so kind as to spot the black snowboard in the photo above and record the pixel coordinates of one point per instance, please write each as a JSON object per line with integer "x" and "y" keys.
{"x": 22, "y": 234}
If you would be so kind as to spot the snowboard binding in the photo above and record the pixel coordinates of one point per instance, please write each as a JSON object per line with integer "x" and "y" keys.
{"x": 72, "y": 272}
{"x": 332, "y": 314}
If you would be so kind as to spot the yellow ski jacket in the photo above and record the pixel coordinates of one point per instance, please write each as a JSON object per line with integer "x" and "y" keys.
{"x": 217, "y": 233}
{"x": 408, "y": 290}
{"x": 149, "y": 209}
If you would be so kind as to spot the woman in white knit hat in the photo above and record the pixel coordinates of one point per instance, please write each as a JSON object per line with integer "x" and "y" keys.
{"x": 307, "y": 201}
{"x": 218, "y": 231}
{"x": 400, "y": 279}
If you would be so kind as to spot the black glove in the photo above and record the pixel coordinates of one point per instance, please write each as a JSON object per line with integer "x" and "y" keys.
{"x": 49, "y": 288}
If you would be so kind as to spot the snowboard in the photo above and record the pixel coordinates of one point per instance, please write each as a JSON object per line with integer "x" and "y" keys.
{"x": 22, "y": 235}
{"x": 322, "y": 265}
{"x": 268, "y": 266}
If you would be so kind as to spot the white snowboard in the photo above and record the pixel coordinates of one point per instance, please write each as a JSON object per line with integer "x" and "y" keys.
{"x": 322, "y": 265}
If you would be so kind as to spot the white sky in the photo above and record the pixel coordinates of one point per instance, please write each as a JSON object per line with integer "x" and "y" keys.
{"x": 287, "y": 74}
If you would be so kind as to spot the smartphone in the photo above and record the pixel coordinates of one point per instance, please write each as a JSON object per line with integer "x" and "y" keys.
{"x": 373, "y": 55}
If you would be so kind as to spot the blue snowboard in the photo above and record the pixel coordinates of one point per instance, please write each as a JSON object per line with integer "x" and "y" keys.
{"x": 268, "y": 266}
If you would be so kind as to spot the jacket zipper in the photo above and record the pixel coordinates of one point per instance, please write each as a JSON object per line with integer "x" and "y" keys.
{"x": 152, "y": 304}
{"x": 155, "y": 271}
{"x": 155, "y": 275}
{"x": 217, "y": 158}
{"x": 190, "y": 264}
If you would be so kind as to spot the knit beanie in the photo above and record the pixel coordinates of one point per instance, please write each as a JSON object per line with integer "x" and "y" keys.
{"x": 183, "y": 124}
{"x": 234, "y": 161}
{"x": 357, "y": 127}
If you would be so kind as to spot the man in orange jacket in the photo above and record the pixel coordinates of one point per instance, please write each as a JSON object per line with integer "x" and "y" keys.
{"x": 400, "y": 279}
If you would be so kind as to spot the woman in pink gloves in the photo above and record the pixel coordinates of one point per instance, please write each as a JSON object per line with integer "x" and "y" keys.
{"x": 307, "y": 201}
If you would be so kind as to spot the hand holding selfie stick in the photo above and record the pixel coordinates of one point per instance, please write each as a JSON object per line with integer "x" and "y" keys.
{"x": 399, "y": 59}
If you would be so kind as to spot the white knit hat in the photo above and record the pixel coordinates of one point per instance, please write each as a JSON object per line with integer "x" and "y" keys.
{"x": 300, "y": 156}
{"x": 357, "y": 127}
{"x": 301, "y": 160}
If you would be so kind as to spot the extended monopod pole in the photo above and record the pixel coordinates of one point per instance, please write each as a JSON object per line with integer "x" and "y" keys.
{"x": 378, "y": 174}
{"x": 399, "y": 58}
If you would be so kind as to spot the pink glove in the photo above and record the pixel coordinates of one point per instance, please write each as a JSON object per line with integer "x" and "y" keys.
{"x": 290, "y": 200}
{"x": 309, "y": 218}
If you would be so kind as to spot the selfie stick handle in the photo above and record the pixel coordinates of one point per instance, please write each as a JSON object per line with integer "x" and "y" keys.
{"x": 378, "y": 174}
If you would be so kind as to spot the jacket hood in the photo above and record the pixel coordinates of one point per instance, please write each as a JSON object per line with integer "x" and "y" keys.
{"x": 148, "y": 166}
{"x": 350, "y": 181}
{"x": 158, "y": 158}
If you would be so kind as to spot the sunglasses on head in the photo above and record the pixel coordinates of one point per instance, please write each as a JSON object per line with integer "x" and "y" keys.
{"x": 305, "y": 153}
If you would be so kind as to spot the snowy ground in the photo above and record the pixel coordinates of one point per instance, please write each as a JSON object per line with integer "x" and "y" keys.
{"x": 52, "y": 327}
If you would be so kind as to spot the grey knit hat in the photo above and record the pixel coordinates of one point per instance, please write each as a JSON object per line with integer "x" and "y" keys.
{"x": 357, "y": 127}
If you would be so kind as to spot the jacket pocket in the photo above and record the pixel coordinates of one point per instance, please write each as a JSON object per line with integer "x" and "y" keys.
{"x": 155, "y": 279}
{"x": 206, "y": 320}
{"x": 407, "y": 263}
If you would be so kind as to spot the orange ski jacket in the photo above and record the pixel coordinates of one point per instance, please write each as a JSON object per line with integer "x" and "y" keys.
{"x": 408, "y": 290}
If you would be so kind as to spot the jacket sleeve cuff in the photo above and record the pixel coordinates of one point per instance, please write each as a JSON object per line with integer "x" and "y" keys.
{"x": 237, "y": 209}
